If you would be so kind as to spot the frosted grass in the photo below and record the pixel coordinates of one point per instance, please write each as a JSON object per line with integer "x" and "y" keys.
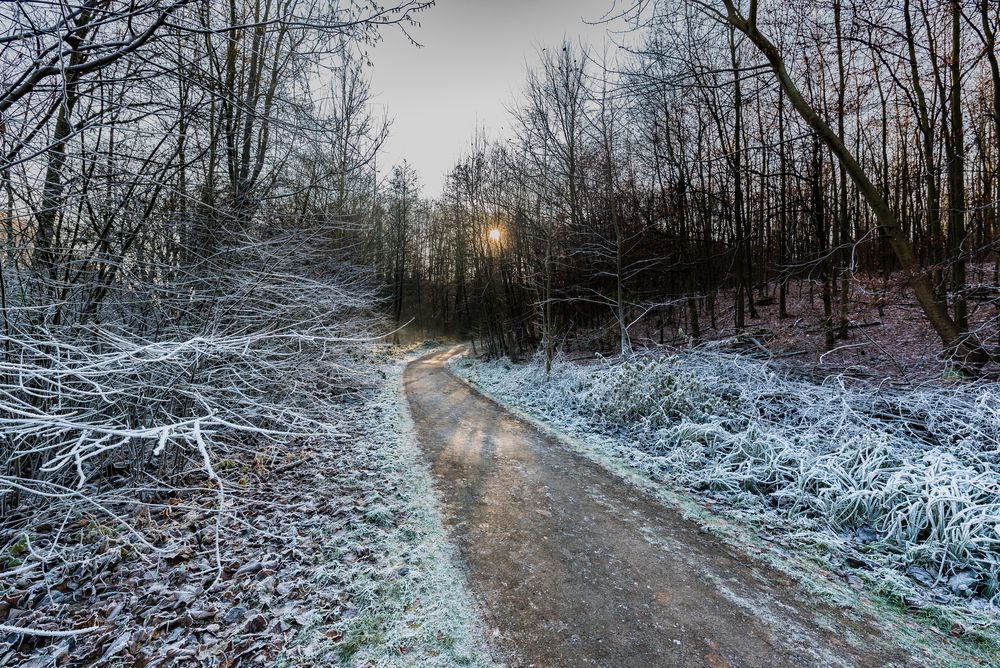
{"x": 909, "y": 476}
{"x": 412, "y": 605}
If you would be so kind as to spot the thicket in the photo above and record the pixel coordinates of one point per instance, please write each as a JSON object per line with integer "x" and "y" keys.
{"x": 186, "y": 188}
{"x": 730, "y": 151}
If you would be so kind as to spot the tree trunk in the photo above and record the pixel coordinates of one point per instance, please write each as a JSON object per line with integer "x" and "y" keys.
{"x": 956, "y": 173}
{"x": 963, "y": 347}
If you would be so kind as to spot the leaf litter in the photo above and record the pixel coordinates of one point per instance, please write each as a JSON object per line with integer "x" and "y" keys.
{"x": 332, "y": 553}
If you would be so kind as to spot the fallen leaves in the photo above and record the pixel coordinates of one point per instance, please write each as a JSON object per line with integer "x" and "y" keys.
{"x": 327, "y": 548}
{"x": 174, "y": 607}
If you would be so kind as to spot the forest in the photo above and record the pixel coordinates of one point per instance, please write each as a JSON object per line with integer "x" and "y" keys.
{"x": 692, "y": 186}
{"x": 751, "y": 245}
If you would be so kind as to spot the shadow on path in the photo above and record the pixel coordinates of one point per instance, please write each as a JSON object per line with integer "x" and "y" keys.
{"x": 575, "y": 567}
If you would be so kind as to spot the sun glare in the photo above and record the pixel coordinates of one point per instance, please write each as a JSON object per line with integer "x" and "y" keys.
{"x": 494, "y": 234}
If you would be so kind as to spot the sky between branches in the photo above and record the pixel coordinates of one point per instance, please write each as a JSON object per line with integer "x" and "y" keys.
{"x": 472, "y": 63}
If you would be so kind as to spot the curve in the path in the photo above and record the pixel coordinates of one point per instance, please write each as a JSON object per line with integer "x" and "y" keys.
{"x": 575, "y": 567}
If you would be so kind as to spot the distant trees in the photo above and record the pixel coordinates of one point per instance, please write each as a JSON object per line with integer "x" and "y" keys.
{"x": 403, "y": 189}
{"x": 952, "y": 330}
{"x": 743, "y": 145}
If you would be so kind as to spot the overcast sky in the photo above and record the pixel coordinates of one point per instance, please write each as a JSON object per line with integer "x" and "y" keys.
{"x": 471, "y": 66}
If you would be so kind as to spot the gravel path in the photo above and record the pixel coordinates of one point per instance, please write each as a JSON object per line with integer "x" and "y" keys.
{"x": 574, "y": 567}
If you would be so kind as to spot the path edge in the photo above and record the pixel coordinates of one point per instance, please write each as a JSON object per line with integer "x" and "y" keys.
{"x": 906, "y": 632}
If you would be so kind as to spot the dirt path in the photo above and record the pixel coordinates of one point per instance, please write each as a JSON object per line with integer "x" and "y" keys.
{"x": 575, "y": 567}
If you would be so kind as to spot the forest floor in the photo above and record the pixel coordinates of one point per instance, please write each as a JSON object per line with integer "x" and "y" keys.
{"x": 340, "y": 552}
{"x": 576, "y": 566}
{"x": 888, "y": 335}
{"x": 330, "y": 553}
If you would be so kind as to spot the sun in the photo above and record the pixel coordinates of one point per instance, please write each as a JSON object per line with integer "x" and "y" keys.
{"x": 494, "y": 234}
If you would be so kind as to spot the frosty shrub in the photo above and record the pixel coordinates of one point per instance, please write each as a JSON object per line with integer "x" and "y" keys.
{"x": 910, "y": 474}
{"x": 257, "y": 347}
{"x": 643, "y": 393}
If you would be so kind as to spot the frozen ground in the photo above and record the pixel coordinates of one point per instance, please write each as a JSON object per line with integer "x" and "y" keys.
{"x": 332, "y": 553}
{"x": 898, "y": 491}
{"x": 887, "y": 331}
{"x": 576, "y": 567}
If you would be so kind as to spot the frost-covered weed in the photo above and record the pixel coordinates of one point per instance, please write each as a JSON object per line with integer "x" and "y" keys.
{"x": 911, "y": 475}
